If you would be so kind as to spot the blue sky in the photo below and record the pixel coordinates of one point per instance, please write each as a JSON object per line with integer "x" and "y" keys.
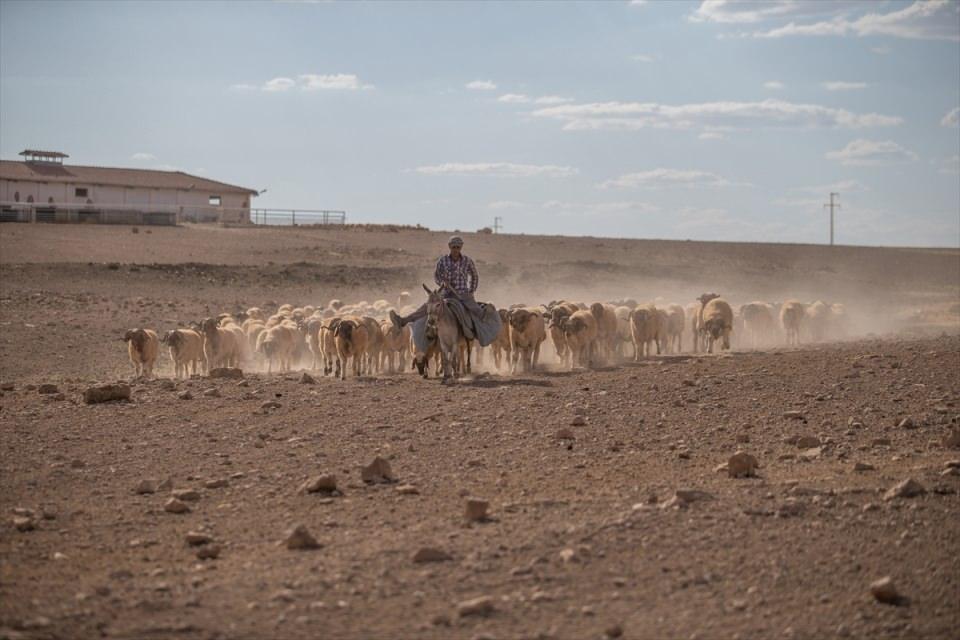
{"x": 701, "y": 120}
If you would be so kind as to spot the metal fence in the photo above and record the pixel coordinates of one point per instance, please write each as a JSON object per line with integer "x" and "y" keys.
{"x": 163, "y": 214}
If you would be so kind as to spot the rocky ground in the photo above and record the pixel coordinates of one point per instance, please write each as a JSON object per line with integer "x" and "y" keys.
{"x": 609, "y": 510}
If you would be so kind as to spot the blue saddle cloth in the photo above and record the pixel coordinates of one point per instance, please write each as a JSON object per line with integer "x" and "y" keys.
{"x": 481, "y": 323}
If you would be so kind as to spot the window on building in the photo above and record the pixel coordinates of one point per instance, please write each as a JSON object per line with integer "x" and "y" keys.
{"x": 80, "y": 192}
{"x": 214, "y": 201}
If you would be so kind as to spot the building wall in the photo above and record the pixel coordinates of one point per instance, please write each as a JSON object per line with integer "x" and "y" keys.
{"x": 193, "y": 205}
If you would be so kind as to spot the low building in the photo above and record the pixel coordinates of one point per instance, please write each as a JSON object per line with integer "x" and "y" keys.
{"x": 41, "y": 188}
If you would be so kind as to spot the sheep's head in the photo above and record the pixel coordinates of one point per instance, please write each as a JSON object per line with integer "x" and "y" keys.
{"x": 209, "y": 326}
{"x": 136, "y": 337}
{"x": 597, "y": 310}
{"x": 519, "y": 318}
{"x": 707, "y": 297}
{"x": 173, "y": 339}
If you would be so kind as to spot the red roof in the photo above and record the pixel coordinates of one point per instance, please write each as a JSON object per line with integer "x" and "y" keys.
{"x": 112, "y": 176}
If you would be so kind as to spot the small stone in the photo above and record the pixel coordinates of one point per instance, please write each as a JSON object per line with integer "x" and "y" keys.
{"x": 77, "y": 463}
{"x": 481, "y": 606}
{"x": 950, "y": 471}
{"x": 196, "y": 538}
{"x": 173, "y": 505}
{"x": 166, "y": 485}
{"x": 906, "y": 423}
{"x": 270, "y": 404}
{"x": 23, "y": 523}
{"x": 431, "y": 554}
{"x": 185, "y": 395}
{"x": 216, "y": 484}
{"x": 743, "y": 438}
{"x": 564, "y": 433}
{"x": 578, "y": 421}
{"x": 790, "y": 508}
{"x": 952, "y": 439}
{"x": 880, "y": 442}
{"x": 145, "y": 486}
{"x": 167, "y": 385}
{"x": 885, "y": 591}
{"x": 300, "y": 539}
{"x": 794, "y": 415}
{"x": 808, "y": 442}
{"x": 227, "y": 372}
{"x": 613, "y": 631}
{"x": 569, "y": 555}
{"x": 47, "y": 389}
{"x": 188, "y": 495}
{"x": 909, "y": 488}
{"x": 693, "y": 495}
{"x": 863, "y": 466}
{"x": 326, "y": 483}
{"x": 7, "y": 386}
{"x": 742, "y": 465}
{"x": 306, "y": 378}
{"x": 377, "y": 472}
{"x": 208, "y": 552}
{"x": 212, "y": 392}
{"x": 811, "y": 454}
{"x": 408, "y": 490}
{"x": 106, "y": 393}
{"x": 476, "y": 510}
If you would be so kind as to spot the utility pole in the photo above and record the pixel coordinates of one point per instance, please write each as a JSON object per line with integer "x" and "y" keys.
{"x": 497, "y": 224}
{"x": 832, "y": 205}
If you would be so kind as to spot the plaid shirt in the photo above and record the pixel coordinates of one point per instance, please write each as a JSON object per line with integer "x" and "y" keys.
{"x": 461, "y": 274}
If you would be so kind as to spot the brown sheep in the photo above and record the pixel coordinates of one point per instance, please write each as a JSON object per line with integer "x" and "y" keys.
{"x": 220, "y": 347}
{"x": 792, "y": 315}
{"x": 278, "y": 344}
{"x": 645, "y": 328}
{"x": 501, "y": 344}
{"x": 350, "y": 338}
{"x": 676, "y": 320}
{"x": 818, "y": 320}
{"x": 606, "y": 317}
{"x": 396, "y": 343}
{"x": 527, "y": 332}
{"x": 142, "y": 347}
{"x": 580, "y": 333}
{"x": 758, "y": 324}
{"x": 186, "y": 351}
{"x": 371, "y": 357}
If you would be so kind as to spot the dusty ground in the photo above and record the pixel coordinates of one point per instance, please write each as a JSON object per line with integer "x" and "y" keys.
{"x": 790, "y": 553}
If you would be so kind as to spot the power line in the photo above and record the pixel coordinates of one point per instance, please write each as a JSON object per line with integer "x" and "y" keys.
{"x": 832, "y": 205}
{"x": 497, "y": 224}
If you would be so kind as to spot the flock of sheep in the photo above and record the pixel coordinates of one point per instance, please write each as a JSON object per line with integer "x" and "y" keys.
{"x": 582, "y": 335}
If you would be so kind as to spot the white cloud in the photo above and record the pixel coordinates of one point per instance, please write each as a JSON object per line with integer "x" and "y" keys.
{"x": 712, "y": 135}
{"x": 739, "y": 12}
{"x": 698, "y": 217}
{"x": 872, "y": 153}
{"x": 514, "y": 98}
{"x": 843, "y": 186}
{"x": 774, "y": 85}
{"x": 770, "y": 113}
{"x": 481, "y": 85}
{"x": 881, "y": 51}
{"x": 666, "y": 178}
{"x": 279, "y": 84}
{"x": 140, "y": 155}
{"x": 951, "y": 119}
{"x": 638, "y": 3}
{"x": 922, "y": 20}
{"x": 336, "y": 81}
{"x": 497, "y": 169}
{"x": 951, "y": 165}
{"x": 643, "y": 57}
{"x": 500, "y": 205}
{"x": 552, "y": 100}
{"x": 601, "y": 208}
{"x": 839, "y": 85}
{"x": 243, "y": 86}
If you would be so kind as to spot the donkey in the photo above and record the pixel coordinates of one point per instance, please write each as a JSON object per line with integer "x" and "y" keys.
{"x": 443, "y": 324}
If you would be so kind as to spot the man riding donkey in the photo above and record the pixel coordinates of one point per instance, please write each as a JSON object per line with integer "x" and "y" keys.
{"x": 457, "y": 278}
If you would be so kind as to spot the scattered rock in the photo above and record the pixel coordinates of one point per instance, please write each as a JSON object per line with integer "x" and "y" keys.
{"x": 299, "y": 538}
{"x": 167, "y": 385}
{"x": 23, "y": 523}
{"x": 185, "y": 395}
{"x": 47, "y": 389}
{"x": 863, "y": 466}
{"x": 811, "y": 454}
{"x": 408, "y": 490}
{"x": 208, "y": 552}
{"x": 743, "y": 438}
{"x": 431, "y": 554}
{"x": 742, "y": 465}
{"x": 693, "y": 495}
{"x": 270, "y": 404}
{"x": 7, "y": 386}
{"x": 565, "y": 433}
{"x": 880, "y": 442}
{"x": 909, "y": 488}
{"x": 145, "y": 486}
{"x": 791, "y": 508}
{"x": 77, "y": 463}
{"x": 196, "y": 538}
{"x": 231, "y": 373}
{"x": 907, "y": 423}
{"x": 794, "y": 415}
{"x": 952, "y": 439}
{"x": 481, "y": 606}
{"x": 884, "y": 591}
{"x": 569, "y": 555}
{"x": 613, "y": 631}
{"x": 476, "y": 510}
{"x": 212, "y": 392}
{"x": 377, "y": 472}
{"x": 173, "y": 505}
{"x": 106, "y": 393}
{"x": 808, "y": 442}
{"x": 217, "y": 483}
{"x": 188, "y": 495}
{"x": 326, "y": 483}
{"x": 578, "y": 421}
{"x": 306, "y": 378}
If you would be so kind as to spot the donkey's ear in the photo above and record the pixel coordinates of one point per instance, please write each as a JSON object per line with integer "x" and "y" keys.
{"x": 427, "y": 289}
